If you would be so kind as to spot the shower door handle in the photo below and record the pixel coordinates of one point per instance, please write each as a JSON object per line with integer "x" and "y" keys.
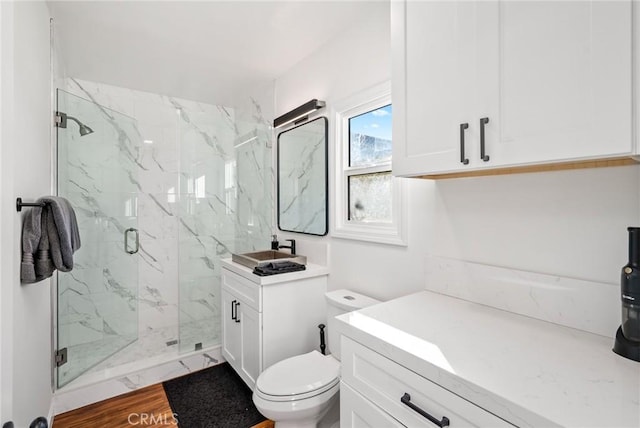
{"x": 126, "y": 240}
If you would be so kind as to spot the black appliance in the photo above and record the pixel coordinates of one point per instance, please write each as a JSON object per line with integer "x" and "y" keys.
{"x": 627, "y": 341}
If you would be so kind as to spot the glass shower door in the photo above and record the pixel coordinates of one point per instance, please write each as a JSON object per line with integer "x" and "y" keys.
{"x": 97, "y": 302}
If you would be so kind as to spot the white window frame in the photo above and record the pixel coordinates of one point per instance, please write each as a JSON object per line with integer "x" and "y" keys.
{"x": 393, "y": 233}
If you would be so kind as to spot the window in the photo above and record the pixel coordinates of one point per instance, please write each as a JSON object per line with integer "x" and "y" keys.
{"x": 369, "y": 200}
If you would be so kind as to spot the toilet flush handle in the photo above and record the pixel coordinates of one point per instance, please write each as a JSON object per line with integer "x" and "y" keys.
{"x": 322, "y": 344}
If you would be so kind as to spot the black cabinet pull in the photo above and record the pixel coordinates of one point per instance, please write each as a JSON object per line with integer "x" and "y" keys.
{"x": 483, "y": 122}
{"x": 406, "y": 400}
{"x": 237, "y": 317}
{"x": 233, "y": 307}
{"x": 463, "y": 160}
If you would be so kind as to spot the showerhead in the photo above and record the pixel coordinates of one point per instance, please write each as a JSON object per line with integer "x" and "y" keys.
{"x": 62, "y": 123}
{"x": 84, "y": 129}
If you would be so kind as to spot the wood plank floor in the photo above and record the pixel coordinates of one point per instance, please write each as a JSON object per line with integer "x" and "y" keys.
{"x": 147, "y": 407}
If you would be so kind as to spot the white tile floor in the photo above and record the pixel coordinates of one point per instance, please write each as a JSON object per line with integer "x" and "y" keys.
{"x": 148, "y": 350}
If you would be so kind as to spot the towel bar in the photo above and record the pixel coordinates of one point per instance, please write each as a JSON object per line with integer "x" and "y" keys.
{"x": 20, "y": 204}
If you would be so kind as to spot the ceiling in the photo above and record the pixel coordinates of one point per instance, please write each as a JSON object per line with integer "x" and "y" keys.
{"x": 209, "y": 51}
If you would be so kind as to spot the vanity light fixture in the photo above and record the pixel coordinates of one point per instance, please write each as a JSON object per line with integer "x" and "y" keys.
{"x": 298, "y": 113}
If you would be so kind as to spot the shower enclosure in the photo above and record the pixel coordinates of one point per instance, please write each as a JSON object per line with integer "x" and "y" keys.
{"x": 161, "y": 194}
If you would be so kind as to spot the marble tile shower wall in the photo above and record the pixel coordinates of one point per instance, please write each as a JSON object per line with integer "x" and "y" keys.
{"x": 254, "y": 171}
{"x": 198, "y": 199}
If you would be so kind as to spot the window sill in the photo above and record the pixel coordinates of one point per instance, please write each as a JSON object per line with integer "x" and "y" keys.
{"x": 387, "y": 236}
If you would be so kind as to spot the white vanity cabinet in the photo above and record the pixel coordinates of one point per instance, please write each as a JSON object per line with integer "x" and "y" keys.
{"x": 400, "y": 397}
{"x": 493, "y": 84}
{"x": 268, "y": 319}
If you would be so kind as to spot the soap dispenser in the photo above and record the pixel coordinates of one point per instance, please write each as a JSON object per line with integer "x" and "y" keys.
{"x": 275, "y": 245}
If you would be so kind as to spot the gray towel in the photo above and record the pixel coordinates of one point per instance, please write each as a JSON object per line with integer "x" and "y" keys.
{"x": 50, "y": 236}
{"x": 274, "y": 268}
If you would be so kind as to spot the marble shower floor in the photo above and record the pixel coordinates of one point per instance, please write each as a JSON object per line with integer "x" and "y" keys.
{"x": 150, "y": 349}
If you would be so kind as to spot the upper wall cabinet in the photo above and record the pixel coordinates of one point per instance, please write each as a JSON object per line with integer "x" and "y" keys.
{"x": 480, "y": 85}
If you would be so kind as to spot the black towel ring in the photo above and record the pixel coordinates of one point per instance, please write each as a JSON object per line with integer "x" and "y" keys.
{"x": 20, "y": 204}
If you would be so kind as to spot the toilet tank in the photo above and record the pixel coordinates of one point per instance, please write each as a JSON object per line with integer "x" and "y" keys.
{"x": 340, "y": 302}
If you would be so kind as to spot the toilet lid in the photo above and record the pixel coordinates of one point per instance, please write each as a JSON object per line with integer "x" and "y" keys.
{"x": 299, "y": 375}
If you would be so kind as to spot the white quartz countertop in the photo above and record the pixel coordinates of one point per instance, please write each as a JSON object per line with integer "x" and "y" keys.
{"x": 528, "y": 372}
{"x": 311, "y": 271}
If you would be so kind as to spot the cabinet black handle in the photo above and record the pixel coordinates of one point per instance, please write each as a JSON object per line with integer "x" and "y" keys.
{"x": 406, "y": 400}
{"x": 233, "y": 307}
{"x": 464, "y": 160}
{"x": 237, "y": 317}
{"x": 483, "y": 122}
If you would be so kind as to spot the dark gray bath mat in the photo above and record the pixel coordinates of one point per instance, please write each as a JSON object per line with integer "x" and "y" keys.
{"x": 214, "y": 397}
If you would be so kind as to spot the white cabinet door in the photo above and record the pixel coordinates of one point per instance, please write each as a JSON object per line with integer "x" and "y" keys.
{"x": 552, "y": 79}
{"x": 434, "y": 85}
{"x": 251, "y": 336}
{"x": 231, "y": 345}
{"x": 358, "y": 412}
{"x": 555, "y": 80}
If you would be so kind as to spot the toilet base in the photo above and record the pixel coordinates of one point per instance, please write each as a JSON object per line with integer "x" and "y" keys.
{"x": 305, "y": 413}
{"x": 331, "y": 419}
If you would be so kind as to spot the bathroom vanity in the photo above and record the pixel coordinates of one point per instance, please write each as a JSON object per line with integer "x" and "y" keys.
{"x": 472, "y": 365}
{"x": 267, "y": 319}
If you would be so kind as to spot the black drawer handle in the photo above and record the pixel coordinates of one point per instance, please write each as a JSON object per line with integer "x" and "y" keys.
{"x": 483, "y": 122}
{"x": 237, "y": 318}
{"x": 233, "y": 307}
{"x": 406, "y": 399}
{"x": 463, "y": 160}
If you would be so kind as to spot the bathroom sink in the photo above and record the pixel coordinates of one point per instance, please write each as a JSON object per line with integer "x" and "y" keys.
{"x": 261, "y": 258}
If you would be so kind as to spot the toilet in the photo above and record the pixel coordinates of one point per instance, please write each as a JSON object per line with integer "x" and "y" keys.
{"x": 299, "y": 391}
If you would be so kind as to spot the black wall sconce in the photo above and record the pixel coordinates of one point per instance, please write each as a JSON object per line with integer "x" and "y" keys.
{"x": 298, "y": 114}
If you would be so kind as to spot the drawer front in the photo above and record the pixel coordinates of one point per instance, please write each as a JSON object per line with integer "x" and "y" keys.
{"x": 358, "y": 412}
{"x": 243, "y": 289}
{"x": 385, "y": 382}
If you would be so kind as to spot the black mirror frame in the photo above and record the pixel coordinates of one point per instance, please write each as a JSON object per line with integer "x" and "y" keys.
{"x": 326, "y": 176}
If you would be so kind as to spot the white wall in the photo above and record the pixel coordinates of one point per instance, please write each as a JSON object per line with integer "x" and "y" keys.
{"x": 26, "y": 172}
{"x": 356, "y": 60}
{"x": 566, "y": 223}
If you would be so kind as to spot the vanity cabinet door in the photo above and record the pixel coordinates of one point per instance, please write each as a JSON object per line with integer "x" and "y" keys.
{"x": 358, "y": 412}
{"x": 242, "y": 326}
{"x": 250, "y": 324}
{"x": 555, "y": 80}
{"x": 231, "y": 345}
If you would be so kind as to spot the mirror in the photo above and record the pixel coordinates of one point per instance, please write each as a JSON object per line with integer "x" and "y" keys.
{"x": 302, "y": 178}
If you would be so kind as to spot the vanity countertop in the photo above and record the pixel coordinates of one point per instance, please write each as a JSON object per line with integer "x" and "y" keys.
{"x": 311, "y": 271}
{"x": 527, "y": 371}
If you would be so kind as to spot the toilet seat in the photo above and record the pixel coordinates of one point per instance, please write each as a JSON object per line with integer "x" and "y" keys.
{"x": 299, "y": 377}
